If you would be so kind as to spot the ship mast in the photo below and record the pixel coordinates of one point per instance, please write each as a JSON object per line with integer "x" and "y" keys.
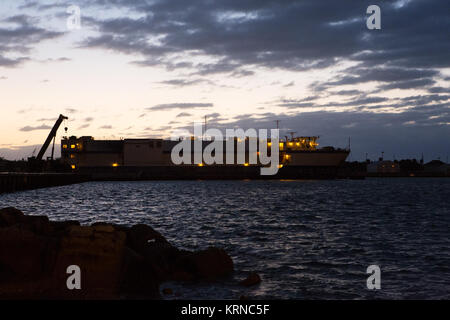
{"x": 206, "y": 121}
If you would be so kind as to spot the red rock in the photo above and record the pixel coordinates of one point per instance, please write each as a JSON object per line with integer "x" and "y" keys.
{"x": 209, "y": 264}
{"x": 251, "y": 280}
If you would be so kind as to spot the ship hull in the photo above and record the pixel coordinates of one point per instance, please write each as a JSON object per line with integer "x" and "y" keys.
{"x": 304, "y": 165}
{"x": 206, "y": 173}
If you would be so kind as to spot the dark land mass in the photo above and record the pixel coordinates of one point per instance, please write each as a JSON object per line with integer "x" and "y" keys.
{"x": 116, "y": 261}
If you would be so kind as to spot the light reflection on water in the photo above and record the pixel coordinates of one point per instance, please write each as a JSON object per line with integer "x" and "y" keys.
{"x": 307, "y": 239}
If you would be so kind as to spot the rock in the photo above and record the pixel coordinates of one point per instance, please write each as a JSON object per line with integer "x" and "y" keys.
{"x": 139, "y": 236}
{"x": 98, "y": 251}
{"x": 251, "y": 280}
{"x": 24, "y": 255}
{"x": 60, "y": 227}
{"x": 39, "y": 224}
{"x": 115, "y": 261}
{"x": 138, "y": 278}
{"x": 209, "y": 264}
{"x": 10, "y": 216}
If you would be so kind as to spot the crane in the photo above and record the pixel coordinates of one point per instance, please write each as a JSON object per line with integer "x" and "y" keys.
{"x": 52, "y": 135}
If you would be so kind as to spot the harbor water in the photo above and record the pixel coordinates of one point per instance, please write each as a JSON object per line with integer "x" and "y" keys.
{"x": 307, "y": 239}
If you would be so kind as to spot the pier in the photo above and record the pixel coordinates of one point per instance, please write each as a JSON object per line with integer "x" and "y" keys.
{"x": 12, "y": 182}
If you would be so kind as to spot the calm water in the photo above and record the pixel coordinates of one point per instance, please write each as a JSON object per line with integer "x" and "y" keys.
{"x": 307, "y": 239}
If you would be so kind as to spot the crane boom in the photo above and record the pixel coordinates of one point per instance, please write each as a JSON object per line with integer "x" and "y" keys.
{"x": 51, "y": 136}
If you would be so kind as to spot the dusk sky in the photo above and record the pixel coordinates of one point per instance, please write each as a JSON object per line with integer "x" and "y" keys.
{"x": 138, "y": 69}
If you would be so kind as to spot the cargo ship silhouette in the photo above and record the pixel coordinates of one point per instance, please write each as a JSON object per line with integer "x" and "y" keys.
{"x": 150, "y": 159}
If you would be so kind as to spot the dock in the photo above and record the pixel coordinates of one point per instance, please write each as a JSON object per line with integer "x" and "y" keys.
{"x": 13, "y": 181}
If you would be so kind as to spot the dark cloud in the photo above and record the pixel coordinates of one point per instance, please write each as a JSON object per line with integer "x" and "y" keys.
{"x": 347, "y": 92}
{"x": 41, "y": 7}
{"x": 425, "y": 99}
{"x": 214, "y": 115}
{"x": 295, "y": 105}
{"x": 294, "y": 35}
{"x": 46, "y": 119}
{"x": 365, "y": 103}
{"x": 352, "y": 76}
{"x": 359, "y": 102}
{"x": 439, "y": 90}
{"x": 170, "y": 106}
{"x": 30, "y": 128}
{"x": 18, "y": 39}
{"x": 183, "y": 114}
{"x": 106, "y": 127}
{"x": 214, "y": 118}
{"x": 409, "y": 84}
{"x": 186, "y": 82}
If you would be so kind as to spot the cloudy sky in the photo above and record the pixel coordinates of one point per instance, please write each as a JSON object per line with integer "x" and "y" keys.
{"x": 141, "y": 68}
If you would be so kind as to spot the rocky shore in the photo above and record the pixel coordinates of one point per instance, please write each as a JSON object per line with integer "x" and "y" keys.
{"x": 115, "y": 261}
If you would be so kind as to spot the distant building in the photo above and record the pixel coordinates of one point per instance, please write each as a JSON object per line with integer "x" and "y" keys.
{"x": 437, "y": 166}
{"x": 383, "y": 166}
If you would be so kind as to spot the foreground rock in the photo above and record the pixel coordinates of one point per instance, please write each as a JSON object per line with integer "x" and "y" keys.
{"x": 252, "y": 280}
{"x": 115, "y": 261}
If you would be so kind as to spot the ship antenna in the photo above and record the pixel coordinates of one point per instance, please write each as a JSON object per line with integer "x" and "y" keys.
{"x": 278, "y": 123}
{"x": 206, "y": 122}
{"x": 292, "y": 134}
